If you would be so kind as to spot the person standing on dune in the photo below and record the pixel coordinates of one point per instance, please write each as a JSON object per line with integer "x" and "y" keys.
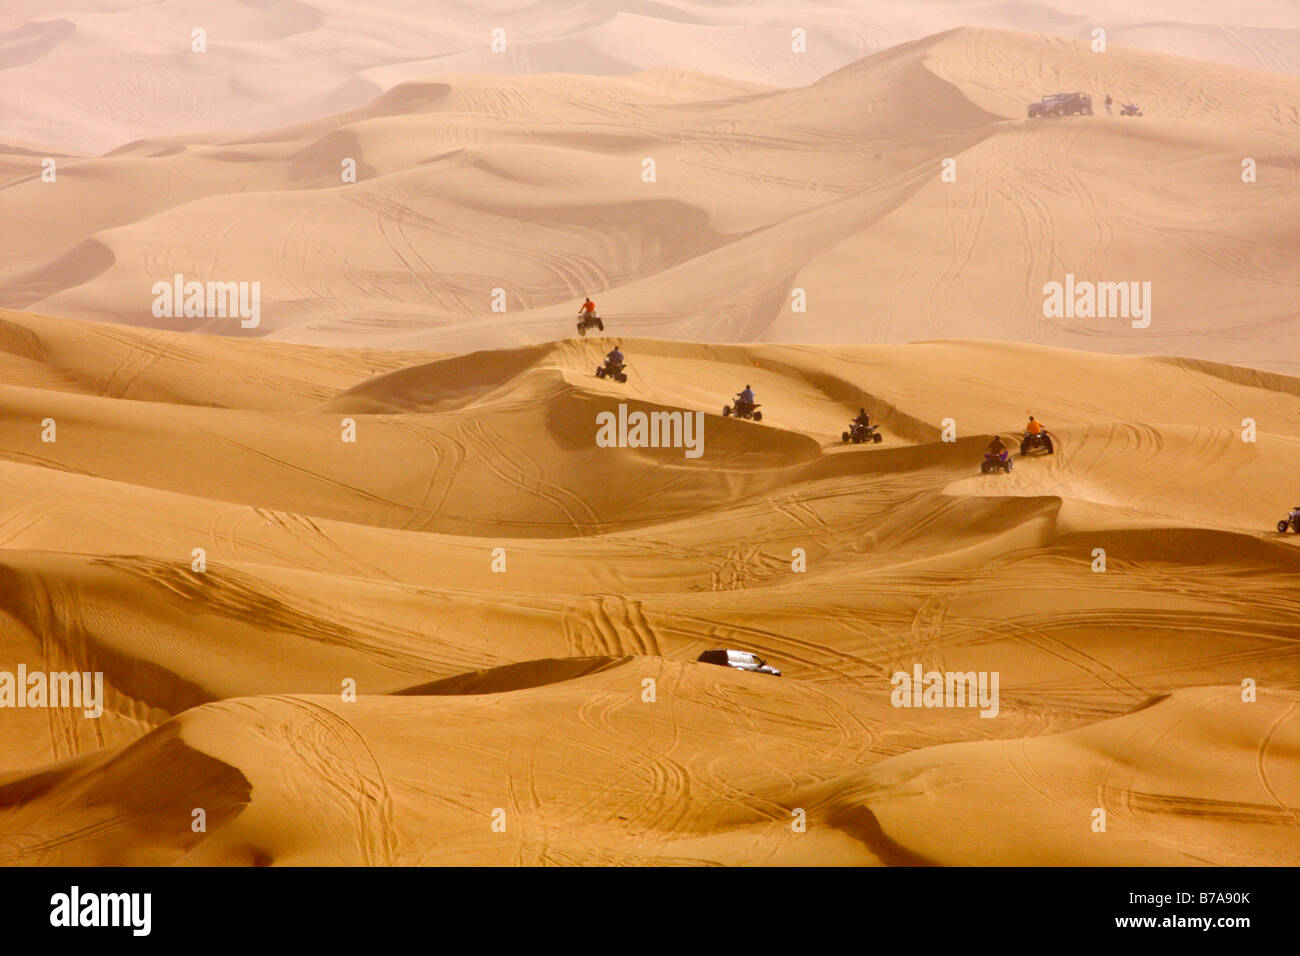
{"x": 1108, "y": 102}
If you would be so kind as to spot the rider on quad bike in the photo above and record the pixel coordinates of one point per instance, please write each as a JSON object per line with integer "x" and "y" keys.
{"x": 996, "y": 457}
{"x": 1291, "y": 522}
{"x": 587, "y": 317}
{"x": 745, "y": 406}
{"x": 1036, "y": 438}
{"x": 860, "y": 429}
{"x": 613, "y": 367}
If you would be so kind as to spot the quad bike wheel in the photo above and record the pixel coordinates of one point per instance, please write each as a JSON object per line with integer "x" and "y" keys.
{"x": 726, "y": 411}
{"x": 600, "y": 372}
{"x": 985, "y": 467}
{"x": 758, "y": 416}
{"x": 582, "y": 330}
{"x": 1282, "y": 526}
{"x": 621, "y": 377}
{"x": 877, "y": 438}
{"x": 844, "y": 437}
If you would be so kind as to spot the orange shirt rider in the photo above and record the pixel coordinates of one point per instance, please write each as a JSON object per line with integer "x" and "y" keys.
{"x": 588, "y": 308}
{"x": 1035, "y": 427}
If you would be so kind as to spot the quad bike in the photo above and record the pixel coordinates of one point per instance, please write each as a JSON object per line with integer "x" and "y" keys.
{"x": 1036, "y": 444}
{"x": 1291, "y": 521}
{"x": 743, "y": 410}
{"x": 1130, "y": 109}
{"x": 589, "y": 320}
{"x": 998, "y": 462}
{"x": 859, "y": 433}
{"x": 612, "y": 370}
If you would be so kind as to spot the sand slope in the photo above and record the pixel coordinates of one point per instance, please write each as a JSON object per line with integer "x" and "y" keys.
{"x": 477, "y": 194}
{"x": 525, "y": 690}
{"x": 92, "y": 75}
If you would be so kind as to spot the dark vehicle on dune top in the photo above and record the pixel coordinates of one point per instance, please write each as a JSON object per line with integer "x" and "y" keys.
{"x": 1291, "y": 522}
{"x": 1037, "y": 443}
{"x": 1000, "y": 462}
{"x": 859, "y": 433}
{"x": 743, "y": 409}
{"x": 1062, "y": 104}
{"x": 612, "y": 369}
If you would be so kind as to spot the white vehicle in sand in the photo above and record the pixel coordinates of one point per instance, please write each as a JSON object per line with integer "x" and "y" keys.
{"x": 739, "y": 660}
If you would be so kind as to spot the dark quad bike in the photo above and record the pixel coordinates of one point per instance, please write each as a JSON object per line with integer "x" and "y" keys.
{"x": 1130, "y": 109}
{"x": 743, "y": 410}
{"x": 859, "y": 433}
{"x": 1291, "y": 522}
{"x": 590, "y": 321}
{"x": 991, "y": 463}
{"x": 612, "y": 370}
{"x": 1040, "y": 444}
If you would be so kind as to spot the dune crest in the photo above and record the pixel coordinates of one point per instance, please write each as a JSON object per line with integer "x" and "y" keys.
{"x": 370, "y": 654}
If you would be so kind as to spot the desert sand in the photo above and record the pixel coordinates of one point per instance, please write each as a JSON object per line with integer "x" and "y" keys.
{"x": 481, "y": 194}
{"x": 365, "y": 589}
{"x": 521, "y": 691}
{"x": 91, "y": 75}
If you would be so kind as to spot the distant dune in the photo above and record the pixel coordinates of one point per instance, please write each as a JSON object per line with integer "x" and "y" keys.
{"x": 88, "y": 77}
{"x": 477, "y": 195}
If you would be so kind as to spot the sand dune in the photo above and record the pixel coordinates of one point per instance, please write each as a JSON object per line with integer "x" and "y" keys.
{"x": 481, "y": 194}
{"x": 521, "y": 692}
{"x": 364, "y": 578}
{"x": 91, "y": 76}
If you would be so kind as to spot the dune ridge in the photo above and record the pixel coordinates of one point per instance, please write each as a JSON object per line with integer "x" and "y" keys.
{"x": 477, "y": 194}
{"x": 524, "y": 691}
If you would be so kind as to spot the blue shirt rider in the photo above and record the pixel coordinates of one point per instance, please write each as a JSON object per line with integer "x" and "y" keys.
{"x": 747, "y": 396}
{"x": 615, "y": 357}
